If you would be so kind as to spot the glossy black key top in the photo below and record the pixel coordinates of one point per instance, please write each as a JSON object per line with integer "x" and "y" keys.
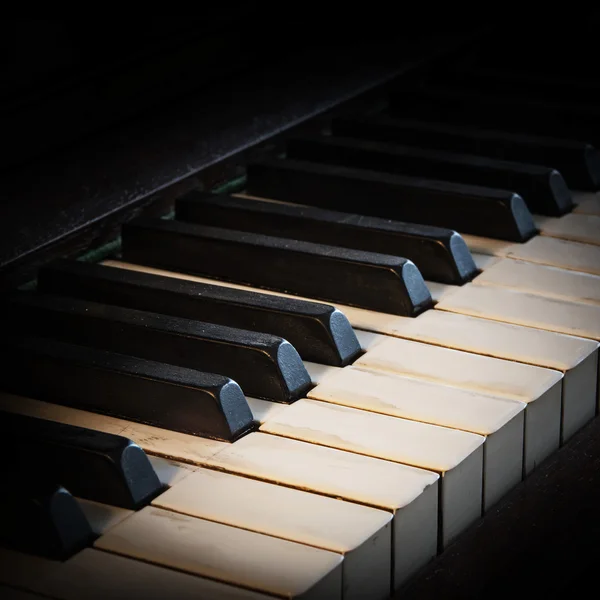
{"x": 440, "y": 254}
{"x": 39, "y": 516}
{"x": 91, "y": 464}
{"x": 542, "y": 188}
{"x": 263, "y": 365}
{"x": 468, "y": 209}
{"x": 165, "y": 396}
{"x": 319, "y": 332}
{"x": 578, "y": 162}
{"x": 374, "y": 281}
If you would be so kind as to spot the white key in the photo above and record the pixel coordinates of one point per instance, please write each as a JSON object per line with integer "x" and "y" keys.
{"x": 170, "y": 472}
{"x": 576, "y": 358}
{"x": 539, "y": 388}
{"x": 411, "y": 494}
{"x": 575, "y": 227}
{"x": 521, "y": 308}
{"x": 297, "y": 516}
{"x": 456, "y": 455}
{"x": 588, "y": 203}
{"x": 542, "y": 250}
{"x": 244, "y": 558}
{"x": 541, "y": 280}
{"x": 499, "y": 419}
{"x": 102, "y": 517}
{"x": 96, "y": 575}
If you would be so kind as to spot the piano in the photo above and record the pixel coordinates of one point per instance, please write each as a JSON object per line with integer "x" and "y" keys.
{"x": 294, "y": 316}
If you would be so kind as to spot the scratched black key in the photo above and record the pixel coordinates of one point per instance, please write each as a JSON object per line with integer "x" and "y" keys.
{"x": 165, "y": 396}
{"x": 39, "y": 516}
{"x": 543, "y": 188}
{"x": 578, "y": 162}
{"x": 570, "y": 121}
{"x": 319, "y": 332}
{"x": 440, "y": 254}
{"x": 91, "y": 464}
{"x": 366, "y": 279}
{"x": 263, "y": 365}
{"x": 470, "y": 209}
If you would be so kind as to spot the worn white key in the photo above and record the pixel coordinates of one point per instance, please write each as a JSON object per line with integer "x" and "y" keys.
{"x": 235, "y": 556}
{"x": 543, "y": 250}
{"x": 170, "y": 472}
{"x": 456, "y": 455}
{"x": 96, "y": 575}
{"x": 499, "y": 419}
{"x": 411, "y": 494}
{"x": 575, "y": 227}
{"x": 542, "y": 280}
{"x": 539, "y": 388}
{"x": 102, "y": 517}
{"x": 298, "y": 516}
{"x": 587, "y": 203}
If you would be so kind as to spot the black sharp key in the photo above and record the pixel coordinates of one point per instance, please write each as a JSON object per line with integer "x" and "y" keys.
{"x": 440, "y": 254}
{"x": 39, "y": 516}
{"x": 165, "y": 396}
{"x": 578, "y": 162}
{"x": 90, "y": 464}
{"x": 319, "y": 332}
{"x": 501, "y": 112}
{"x": 374, "y": 281}
{"x": 263, "y": 365}
{"x": 468, "y": 209}
{"x": 542, "y": 188}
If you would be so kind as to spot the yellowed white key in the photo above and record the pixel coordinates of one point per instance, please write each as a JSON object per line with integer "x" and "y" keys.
{"x": 235, "y": 556}
{"x": 575, "y": 227}
{"x": 542, "y": 280}
{"x": 543, "y": 250}
{"x": 539, "y": 388}
{"x": 298, "y": 516}
{"x": 500, "y": 420}
{"x": 411, "y": 494}
{"x": 95, "y": 575}
{"x": 587, "y": 203}
{"x": 576, "y": 358}
{"x": 456, "y": 455}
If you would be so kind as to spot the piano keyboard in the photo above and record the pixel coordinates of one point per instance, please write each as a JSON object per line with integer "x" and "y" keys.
{"x": 311, "y": 387}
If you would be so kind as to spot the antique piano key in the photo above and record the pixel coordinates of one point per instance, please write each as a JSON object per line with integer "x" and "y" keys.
{"x": 264, "y": 365}
{"x": 541, "y": 280}
{"x": 409, "y": 493}
{"x": 96, "y": 575}
{"x": 39, "y": 516}
{"x": 236, "y": 556}
{"x": 456, "y": 455}
{"x": 466, "y": 208}
{"x": 500, "y": 420}
{"x": 588, "y": 203}
{"x": 578, "y": 162}
{"x": 368, "y": 279}
{"x": 317, "y": 331}
{"x": 168, "y": 396}
{"x": 91, "y": 464}
{"x": 567, "y": 120}
{"x": 439, "y": 254}
{"x": 574, "y": 227}
{"x": 539, "y": 388}
{"x": 297, "y": 516}
{"x": 543, "y": 188}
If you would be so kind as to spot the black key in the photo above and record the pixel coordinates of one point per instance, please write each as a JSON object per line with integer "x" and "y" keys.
{"x": 91, "y": 464}
{"x": 440, "y": 254}
{"x": 375, "y": 281}
{"x": 578, "y": 162}
{"x": 39, "y": 516}
{"x": 319, "y": 332}
{"x": 263, "y": 365}
{"x": 127, "y": 387}
{"x": 542, "y": 188}
{"x": 499, "y": 112}
{"x": 468, "y": 209}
